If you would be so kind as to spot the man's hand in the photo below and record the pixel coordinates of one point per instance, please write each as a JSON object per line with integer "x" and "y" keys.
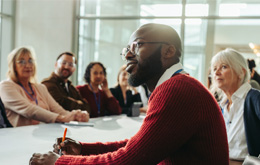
{"x": 68, "y": 147}
{"x": 48, "y": 158}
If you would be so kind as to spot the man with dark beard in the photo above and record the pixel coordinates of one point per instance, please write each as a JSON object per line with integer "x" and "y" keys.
{"x": 61, "y": 88}
{"x": 183, "y": 125}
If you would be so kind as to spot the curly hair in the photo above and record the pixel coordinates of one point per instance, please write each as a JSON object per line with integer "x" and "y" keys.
{"x": 87, "y": 72}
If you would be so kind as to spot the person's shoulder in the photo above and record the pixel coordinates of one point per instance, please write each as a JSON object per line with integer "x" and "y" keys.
{"x": 114, "y": 88}
{"x": 7, "y": 82}
{"x": 255, "y": 93}
{"x": 184, "y": 79}
{"x": 50, "y": 79}
{"x": 39, "y": 86}
{"x": 80, "y": 87}
{"x": 254, "y": 84}
{"x": 184, "y": 83}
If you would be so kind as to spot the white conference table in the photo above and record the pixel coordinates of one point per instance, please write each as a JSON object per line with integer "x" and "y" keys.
{"x": 18, "y": 144}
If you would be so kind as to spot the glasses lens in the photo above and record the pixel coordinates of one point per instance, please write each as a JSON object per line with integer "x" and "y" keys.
{"x": 30, "y": 61}
{"x": 124, "y": 51}
{"x": 64, "y": 63}
{"x": 71, "y": 64}
{"x": 23, "y": 62}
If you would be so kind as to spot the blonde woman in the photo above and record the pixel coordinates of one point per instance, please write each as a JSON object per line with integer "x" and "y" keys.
{"x": 26, "y": 101}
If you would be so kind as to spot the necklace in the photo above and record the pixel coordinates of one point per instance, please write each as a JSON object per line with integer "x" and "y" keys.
{"x": 32, "y": 95}
{"x": 96, "y": 100}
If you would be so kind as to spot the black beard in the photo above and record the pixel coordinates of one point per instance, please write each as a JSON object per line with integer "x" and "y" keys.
{"x": 147, "y": 70}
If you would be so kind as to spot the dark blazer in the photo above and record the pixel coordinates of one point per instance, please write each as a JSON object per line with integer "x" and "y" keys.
{"x": 252, "y": 121}
{"x": 130, "y": 98}
{"x": 3, "y": 116}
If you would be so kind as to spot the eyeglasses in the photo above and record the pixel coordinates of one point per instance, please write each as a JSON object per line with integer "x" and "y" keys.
{"x": 134, "y": 47}
{"x": 64, "y": 63}
{"x": 30, "y": 62}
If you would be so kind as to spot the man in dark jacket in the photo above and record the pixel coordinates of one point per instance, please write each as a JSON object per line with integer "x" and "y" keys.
{"x": 61, "y": 88}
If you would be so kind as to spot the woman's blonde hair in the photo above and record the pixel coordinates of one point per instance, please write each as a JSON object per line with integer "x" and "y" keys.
{"x": 14, "y": 56}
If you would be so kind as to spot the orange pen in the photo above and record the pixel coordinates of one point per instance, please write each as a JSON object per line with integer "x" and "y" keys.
{"x": 64, "y": 136}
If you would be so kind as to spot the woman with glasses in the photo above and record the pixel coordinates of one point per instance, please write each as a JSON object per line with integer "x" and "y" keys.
{"x": 26, "y": 101}
{"x": 240, "y": 104}
{"x": 97, "y": 93}
{"x": 123, "y": 92}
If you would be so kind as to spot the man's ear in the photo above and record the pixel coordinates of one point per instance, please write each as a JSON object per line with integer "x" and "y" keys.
{"x": 169, "y": 51}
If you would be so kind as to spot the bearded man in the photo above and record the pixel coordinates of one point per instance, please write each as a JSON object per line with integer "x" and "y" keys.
{"x": 61, "y": 88}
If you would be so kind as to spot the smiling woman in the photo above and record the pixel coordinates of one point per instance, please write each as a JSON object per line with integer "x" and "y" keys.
{"x": 26, "y": 101}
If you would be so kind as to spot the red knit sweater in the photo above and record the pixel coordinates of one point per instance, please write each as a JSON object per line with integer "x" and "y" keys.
{"x": 184, "y": 125}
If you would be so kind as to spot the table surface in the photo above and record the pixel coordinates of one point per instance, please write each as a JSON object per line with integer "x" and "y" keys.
{"x": 18, "y": 144}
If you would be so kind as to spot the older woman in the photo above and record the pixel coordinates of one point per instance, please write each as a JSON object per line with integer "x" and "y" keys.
{"x": 26, "y": 101}
{"x": 97, "y": 93}
{"x": 123, "y": 92}
{"x": 240, "y": 104}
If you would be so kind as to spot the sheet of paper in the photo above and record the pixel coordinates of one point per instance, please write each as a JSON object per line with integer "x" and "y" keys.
{"x": 76, "y": 123}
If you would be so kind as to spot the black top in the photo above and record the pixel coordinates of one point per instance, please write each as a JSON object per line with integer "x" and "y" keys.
{"x": 130, "y": 98}
{"x": 3, "y": 119}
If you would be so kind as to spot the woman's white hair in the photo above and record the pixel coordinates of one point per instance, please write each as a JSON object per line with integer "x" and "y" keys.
{"x": 235, "y": 61}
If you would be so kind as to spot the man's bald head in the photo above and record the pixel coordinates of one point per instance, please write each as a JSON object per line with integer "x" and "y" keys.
{"x": 160, "y": 32}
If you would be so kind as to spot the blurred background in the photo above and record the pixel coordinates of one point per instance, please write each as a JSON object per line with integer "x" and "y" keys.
{"x": 97, "y": 30}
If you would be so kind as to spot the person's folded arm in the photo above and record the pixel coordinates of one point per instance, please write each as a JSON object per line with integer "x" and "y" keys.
{"x": 68, "y": 102}
{"x": 14, "y": 99}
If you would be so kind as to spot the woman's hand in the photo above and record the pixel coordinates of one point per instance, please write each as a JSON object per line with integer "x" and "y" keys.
{"x": 105, "y": 88}
{"x": 81, "y": 116}
{"x": 104, "y": 85}
{"x": 66, "y": 118}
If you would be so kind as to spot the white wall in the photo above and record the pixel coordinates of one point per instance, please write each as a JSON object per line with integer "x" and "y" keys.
{"x": 46, "y": 25}
{"x": 7, "y": 35}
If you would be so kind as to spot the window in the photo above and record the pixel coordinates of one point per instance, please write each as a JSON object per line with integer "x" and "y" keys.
{"x": 6, "y": 33}
{"x": 205, "y": 27}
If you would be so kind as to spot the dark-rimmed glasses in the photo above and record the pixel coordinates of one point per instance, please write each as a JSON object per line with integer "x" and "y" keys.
{"x": 134, "y": 47}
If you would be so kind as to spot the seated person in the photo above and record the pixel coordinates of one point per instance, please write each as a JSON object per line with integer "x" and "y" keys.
{"x": 183, "y": 124}
{"x": 240, "y": 104}
{"x": 26, "y": 101}
{"x": 253, "y": 74}
{"x": 4, "y": 122}
{"x": 97, "y": 93}
{"x": 61, "y": 88}
{"x": 123, "y": 91}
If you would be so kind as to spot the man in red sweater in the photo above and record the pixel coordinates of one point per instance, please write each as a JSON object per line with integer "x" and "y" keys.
{"x": 183, "y": 125}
